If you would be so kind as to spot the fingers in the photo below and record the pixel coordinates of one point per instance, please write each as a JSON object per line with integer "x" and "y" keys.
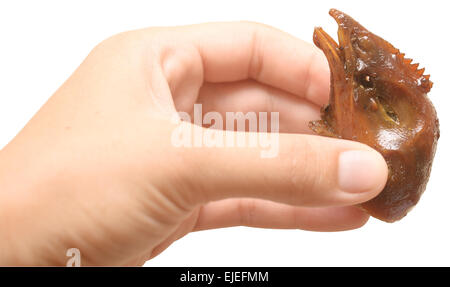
{"x": 302, "y": 170}
{"x": 241, "y": 50}
{"x": 267, "y": 214}
{"x": 251, "y": 96}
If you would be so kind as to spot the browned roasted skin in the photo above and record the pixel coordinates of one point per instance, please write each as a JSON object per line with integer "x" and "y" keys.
{"x": 379, "y": 98}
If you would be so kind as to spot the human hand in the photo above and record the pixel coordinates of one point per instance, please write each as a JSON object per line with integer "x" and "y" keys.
{"x": 96, "y": 168}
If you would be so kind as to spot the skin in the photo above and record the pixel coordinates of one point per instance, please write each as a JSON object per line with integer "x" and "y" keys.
{"x": 95, "y": 168}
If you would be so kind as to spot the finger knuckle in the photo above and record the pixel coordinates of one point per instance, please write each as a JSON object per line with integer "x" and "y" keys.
{"x": 303, "y": 171}
{"x": 246, "y": 210}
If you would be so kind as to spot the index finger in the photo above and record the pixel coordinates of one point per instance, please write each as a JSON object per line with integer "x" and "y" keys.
{"x": 241, "y": 50}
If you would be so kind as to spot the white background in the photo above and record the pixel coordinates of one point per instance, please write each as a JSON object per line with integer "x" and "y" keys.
{"x": 42, "y": 42}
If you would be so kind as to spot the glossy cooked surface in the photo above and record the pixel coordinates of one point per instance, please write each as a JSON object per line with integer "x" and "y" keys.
{"x": 379, "y": 98}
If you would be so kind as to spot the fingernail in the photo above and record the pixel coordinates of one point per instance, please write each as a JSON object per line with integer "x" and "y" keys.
{"x": 361, "y": 171}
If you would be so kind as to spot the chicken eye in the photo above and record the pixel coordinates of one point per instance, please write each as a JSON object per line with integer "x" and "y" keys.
{"x": 366, "y": 81}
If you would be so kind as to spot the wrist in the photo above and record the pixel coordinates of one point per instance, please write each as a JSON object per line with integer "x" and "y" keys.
{"x": 8, "y": 209}
{"x": 18, "y": 236}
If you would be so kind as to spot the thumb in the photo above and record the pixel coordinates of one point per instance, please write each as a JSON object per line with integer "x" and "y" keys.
{"x": 304, "y": 170}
